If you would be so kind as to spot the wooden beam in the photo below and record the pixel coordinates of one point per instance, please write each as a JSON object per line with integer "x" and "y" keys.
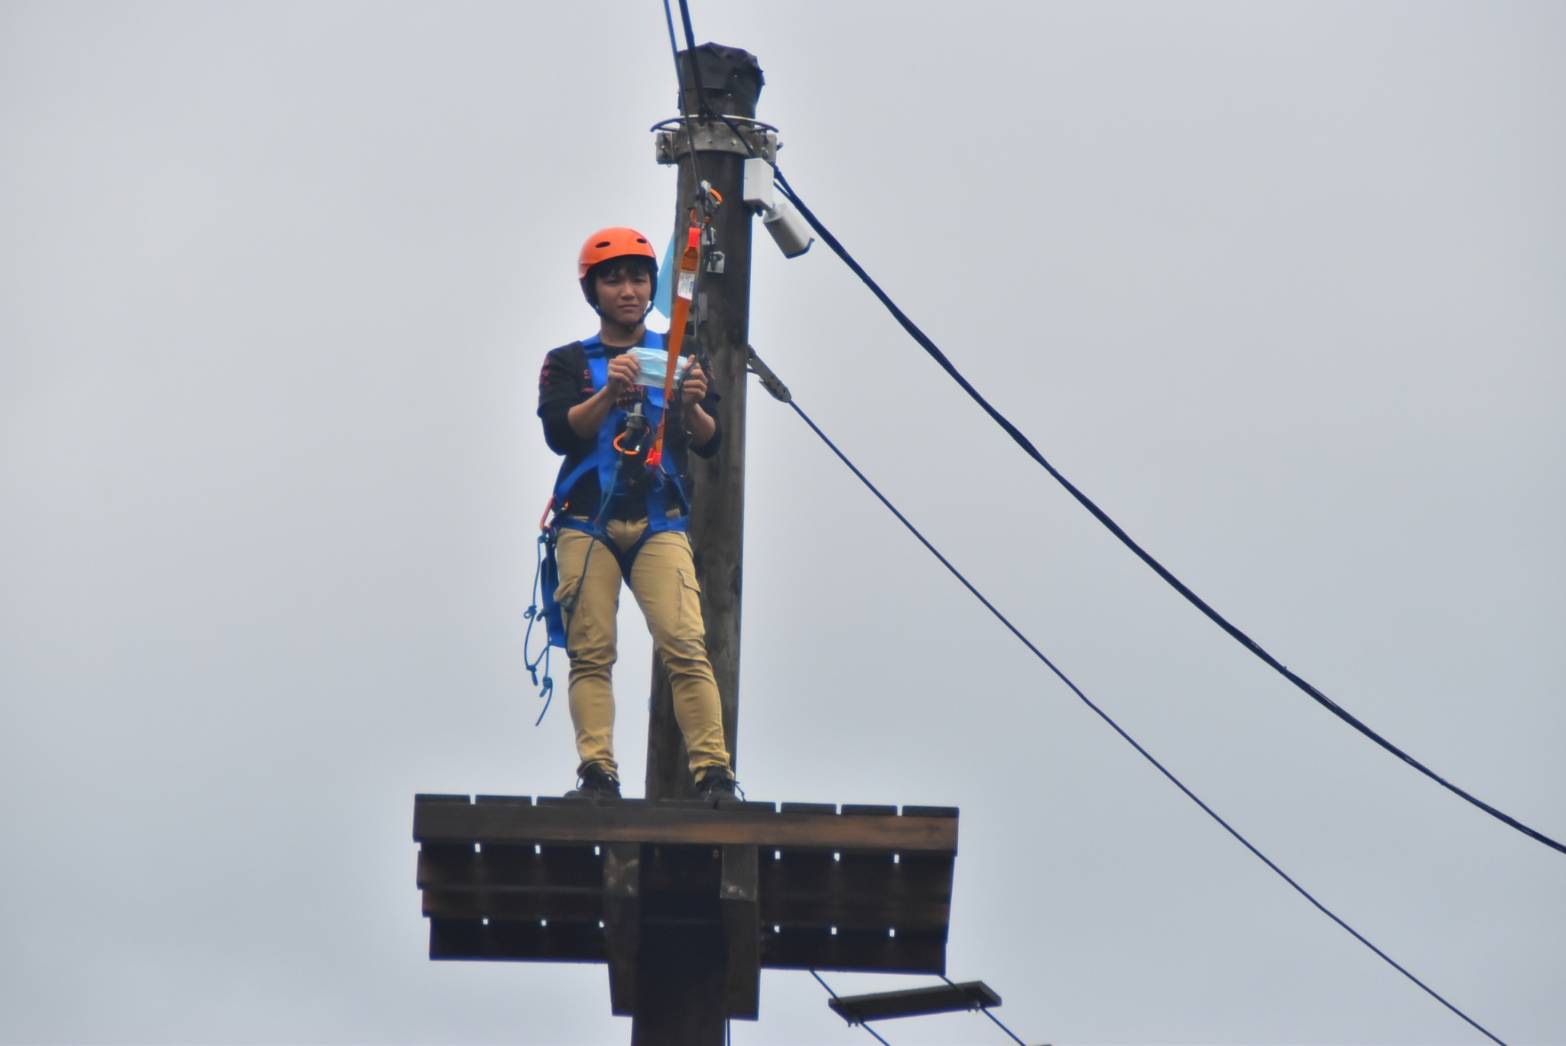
{"x": 516, "y": 821}
{"x": 474, "y": 939}
{"x": 742, "y": 931}
{"x": 622, "y": 923}
{"x": 676, "y": 964}
{"x": 852, "y": 951}
{"x": 914, "y": 1002}
{"x": 557, "y": 867}
{"x": 858, "y": 891}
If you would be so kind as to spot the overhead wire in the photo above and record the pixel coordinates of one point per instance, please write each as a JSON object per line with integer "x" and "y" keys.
{"x": 701, "y": 91}
{"x": 1027, "y": 446}
{"x": 690, "y": 44}
{"x": 863, "y": 1024}
{"x": 1098, "y": 513}
{"x": 698, "y": 184}
{"x": 986, "y": 1011}
{"x": 1143, "y": 752}
{"x": 1114, "y": 528}
{"x": 679, "y": 81}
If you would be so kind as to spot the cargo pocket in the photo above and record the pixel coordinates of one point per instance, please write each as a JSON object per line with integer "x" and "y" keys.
{"x": 690, "y": 622}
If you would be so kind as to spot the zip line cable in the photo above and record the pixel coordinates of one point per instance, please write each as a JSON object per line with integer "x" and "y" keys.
{"x": 986, "y": 1011}
{"x": 1027, "y": 446}
{"x": 1143, "y": 752}
{"x": 863, "y": 1024}
{"x": 1114, "y": 528}
{"x": 1103, "y": 517}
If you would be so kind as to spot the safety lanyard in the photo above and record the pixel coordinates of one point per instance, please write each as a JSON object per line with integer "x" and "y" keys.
{"x": 684, "y": 291}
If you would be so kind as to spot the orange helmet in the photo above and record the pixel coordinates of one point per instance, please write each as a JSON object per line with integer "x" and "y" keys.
{"x": 617, "y": 242}
{"x": 607, "y": 245}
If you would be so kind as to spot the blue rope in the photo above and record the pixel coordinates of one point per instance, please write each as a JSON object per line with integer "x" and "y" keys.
{"x": 1144, "y": 753}
{"x": 668, "y": 18}
{"x": 535, "y": 611}
{"x": 568, "y": 607}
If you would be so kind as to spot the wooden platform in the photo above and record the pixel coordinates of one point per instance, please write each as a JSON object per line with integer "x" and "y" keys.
{"x": 804, "y": 886}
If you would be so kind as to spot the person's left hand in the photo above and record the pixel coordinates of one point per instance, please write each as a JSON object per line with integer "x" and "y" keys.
{"x": 695, "y": 389}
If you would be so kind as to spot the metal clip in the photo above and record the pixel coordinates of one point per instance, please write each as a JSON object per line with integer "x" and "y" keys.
{"x": 708, "y": 199}
{"x": 769, "y": 380}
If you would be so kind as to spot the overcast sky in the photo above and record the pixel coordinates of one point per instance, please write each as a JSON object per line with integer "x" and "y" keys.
{"x": 1280, "y": 285}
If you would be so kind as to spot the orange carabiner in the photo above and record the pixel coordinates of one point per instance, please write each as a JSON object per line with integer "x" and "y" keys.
{"x": 628, "y": 453}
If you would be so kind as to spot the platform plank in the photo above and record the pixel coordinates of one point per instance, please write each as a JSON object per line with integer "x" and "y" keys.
{"x": 524, "y": 941}
{"x": 518, "y": 821}
{"x": 853, "y": 951}
{"x": 914, "y": 1002}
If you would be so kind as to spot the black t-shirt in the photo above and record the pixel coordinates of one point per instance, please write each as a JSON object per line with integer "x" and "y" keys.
{"x": 565, "y": 381}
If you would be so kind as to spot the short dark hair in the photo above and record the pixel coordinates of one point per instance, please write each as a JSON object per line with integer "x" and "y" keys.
{"x": 626, "y": 263}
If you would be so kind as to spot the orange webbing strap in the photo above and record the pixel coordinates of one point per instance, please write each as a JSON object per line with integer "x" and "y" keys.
{"x": 684, "y": 288}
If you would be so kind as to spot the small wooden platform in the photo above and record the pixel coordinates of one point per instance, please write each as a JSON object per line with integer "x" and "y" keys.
{"x": 801, "y": 886}
{"x": 914, "y": 1002}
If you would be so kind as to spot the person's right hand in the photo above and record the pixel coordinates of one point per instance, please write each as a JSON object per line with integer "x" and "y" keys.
{"x": 623, "y": 371}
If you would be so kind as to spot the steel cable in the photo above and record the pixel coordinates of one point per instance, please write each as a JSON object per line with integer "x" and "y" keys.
{"x": 1143, "y": 752}
{"x": 1114, "y": 528}
{"x": 862, "y": 1024}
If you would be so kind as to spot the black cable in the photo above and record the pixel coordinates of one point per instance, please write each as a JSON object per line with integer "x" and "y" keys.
{"x": 986, "y": 1011}
{"x": 687, "y": 119}
{"x": 690, "y": 45}
{"x": 1104, "y": 518}
{"x": 679, "y": 83}
{"x": 862, "y": 1024}
{"x": 1117, "y": 728}
{"x": 1126, "y": 539}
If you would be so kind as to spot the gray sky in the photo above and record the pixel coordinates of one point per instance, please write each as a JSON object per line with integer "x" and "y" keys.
{"x": 1278, "y": 284}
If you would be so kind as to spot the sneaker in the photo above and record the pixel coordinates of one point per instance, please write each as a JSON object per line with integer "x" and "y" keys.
{"x": 594, "y": 782}
{"x": 715, "y": 785}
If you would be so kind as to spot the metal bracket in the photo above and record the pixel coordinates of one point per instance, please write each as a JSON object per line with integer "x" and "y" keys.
{"x": 671, "y": 143}
{"x": 713, "y": 262}
{"x": 769, "y": 380}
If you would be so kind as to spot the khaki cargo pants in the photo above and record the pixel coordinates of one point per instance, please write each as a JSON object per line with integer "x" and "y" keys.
{"x": 663, "y": 580}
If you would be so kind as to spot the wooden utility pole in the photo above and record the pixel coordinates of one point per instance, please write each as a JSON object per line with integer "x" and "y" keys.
{"x": 731, "y": 82}
{"x": 680, "y": 972}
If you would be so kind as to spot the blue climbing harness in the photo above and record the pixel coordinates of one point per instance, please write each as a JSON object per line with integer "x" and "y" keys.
{"x": 664, "y": 499}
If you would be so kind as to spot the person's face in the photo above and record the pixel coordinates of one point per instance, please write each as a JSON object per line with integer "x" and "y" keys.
{"x": 624, "y": 292}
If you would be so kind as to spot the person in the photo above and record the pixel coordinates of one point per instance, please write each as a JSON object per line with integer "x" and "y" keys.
{"x": 620, "y": 520}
